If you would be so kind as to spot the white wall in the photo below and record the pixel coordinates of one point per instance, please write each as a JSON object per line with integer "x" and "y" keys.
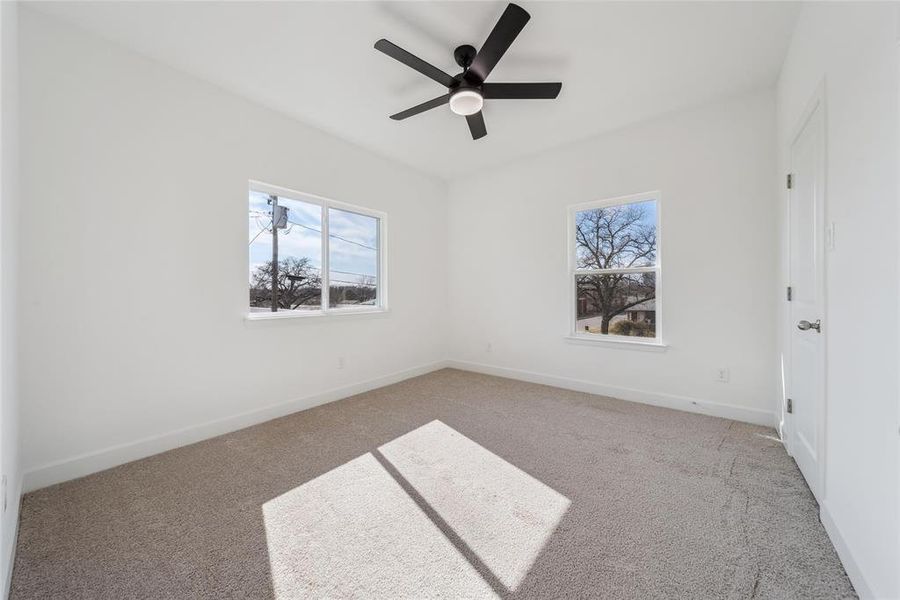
{"x": 714, "y": 167}
{"x": 9, "y": 201}
{"x": 853, "y": 48}
{"x": 134, "y": 258}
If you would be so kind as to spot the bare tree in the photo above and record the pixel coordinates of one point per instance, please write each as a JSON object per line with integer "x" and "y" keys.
{"x": 614, "y": 237}
{"x": 299, "y": 283}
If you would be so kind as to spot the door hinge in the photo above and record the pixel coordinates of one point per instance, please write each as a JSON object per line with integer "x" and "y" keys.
{"x": 790, "y": 406}
{"x": 790, "y": 293}
{"x": 790, "y": 180}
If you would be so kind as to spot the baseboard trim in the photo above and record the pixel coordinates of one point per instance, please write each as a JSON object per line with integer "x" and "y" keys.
{"x": 694, "y": 405}
{"x": 92, "y": 462}
{"x": 863, "y": 589}
{"x": 99, "y": 460}
{"x": 11, "y": 556}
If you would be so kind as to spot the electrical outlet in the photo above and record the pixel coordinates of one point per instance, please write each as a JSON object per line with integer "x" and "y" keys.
{"x": 341, "y": 362}
{"x": 489, "y": 348}
{"x": 722, "y": 375}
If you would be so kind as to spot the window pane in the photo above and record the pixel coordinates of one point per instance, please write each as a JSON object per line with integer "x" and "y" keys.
{"x": 352, "y": 259}
{"x": 299, "y": 254}
{"x": 617, "y": 304}
{"x": 615, "y": 237}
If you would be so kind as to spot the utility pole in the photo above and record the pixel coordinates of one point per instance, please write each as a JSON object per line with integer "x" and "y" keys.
{"x": 279, "y": 221}
{"x": 273, "y": 200}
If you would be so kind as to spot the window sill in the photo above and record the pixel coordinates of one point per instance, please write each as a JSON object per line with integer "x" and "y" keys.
{"x": 315, "y": 314}
{"x": 611, "y": 342}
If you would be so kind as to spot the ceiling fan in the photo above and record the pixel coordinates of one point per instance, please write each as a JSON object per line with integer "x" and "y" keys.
{"x": 467, "y": 91}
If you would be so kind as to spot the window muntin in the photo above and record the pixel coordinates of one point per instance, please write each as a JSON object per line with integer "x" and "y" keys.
{"x": 329, "y": 254}
{"x": 615, "y": 269}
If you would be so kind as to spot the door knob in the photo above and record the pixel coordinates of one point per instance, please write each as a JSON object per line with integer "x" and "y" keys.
{"x": 806, "y": 325}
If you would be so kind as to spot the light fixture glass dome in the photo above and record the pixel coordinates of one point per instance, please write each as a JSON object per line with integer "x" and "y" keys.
{"x": 466, "y": 102}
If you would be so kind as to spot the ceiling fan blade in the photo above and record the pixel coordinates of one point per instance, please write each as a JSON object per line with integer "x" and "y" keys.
{"x": 413, "y": 61}
{"x": 476, "y": 125}
{"x": 409, "y": 112}
{"x": 498, "y": 41}
{"x": 520, "y": 91}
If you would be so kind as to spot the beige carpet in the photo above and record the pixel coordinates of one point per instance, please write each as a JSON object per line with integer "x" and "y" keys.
{"x": 451, "y": 485}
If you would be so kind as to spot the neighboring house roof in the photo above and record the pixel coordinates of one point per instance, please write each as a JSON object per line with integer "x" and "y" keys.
{"x": 648, "y": 305}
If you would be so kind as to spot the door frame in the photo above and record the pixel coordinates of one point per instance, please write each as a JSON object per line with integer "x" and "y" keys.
{"x": 816, "y": 103}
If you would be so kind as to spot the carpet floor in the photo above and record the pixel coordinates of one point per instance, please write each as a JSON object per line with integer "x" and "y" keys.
{"x": 449, "y": 485}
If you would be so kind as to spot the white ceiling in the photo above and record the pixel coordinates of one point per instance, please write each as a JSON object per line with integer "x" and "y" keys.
{"x": 619, "y": 63}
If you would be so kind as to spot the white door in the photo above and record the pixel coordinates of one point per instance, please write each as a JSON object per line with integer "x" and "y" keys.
{"x": 806, "y": 307}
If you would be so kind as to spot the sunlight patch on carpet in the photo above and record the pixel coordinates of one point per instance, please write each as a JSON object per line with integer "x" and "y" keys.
{"x": 504, "y": 515}
{"x": 354, "y": 533}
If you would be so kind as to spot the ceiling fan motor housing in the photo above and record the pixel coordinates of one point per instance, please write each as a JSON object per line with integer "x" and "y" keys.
{"x": 464, "y": 55}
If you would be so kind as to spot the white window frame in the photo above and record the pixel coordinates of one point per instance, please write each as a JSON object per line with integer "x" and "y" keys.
{"x": 614, "y": 340}
{"x": 381, "y": 262}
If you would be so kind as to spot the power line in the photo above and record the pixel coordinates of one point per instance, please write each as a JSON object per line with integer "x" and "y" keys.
{"x": 319, "y": 231}
{"x": 357, "y": 283}
{"x": 345, "y": 273}
{"x": 333, "y": 235}
{"x": 258, "y": 233}
{"x": 349, "y": 273}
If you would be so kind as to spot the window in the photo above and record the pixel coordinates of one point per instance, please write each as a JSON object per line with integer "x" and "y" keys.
{"x": 309, "y": 255}
{"x": 615, "y": 269}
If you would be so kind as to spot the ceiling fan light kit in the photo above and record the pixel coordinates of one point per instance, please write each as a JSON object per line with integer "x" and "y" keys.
{"x": 467, "y": 91}
{"x": 466, "y": 102}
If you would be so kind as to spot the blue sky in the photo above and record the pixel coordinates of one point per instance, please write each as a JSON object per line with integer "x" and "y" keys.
{"x": 352, "y": 243}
